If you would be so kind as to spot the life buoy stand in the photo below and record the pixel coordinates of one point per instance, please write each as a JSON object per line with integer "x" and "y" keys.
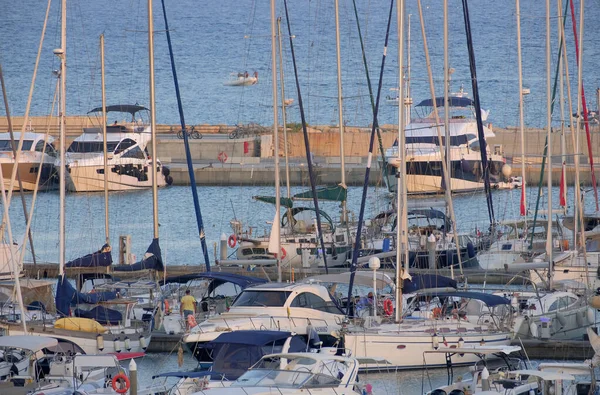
{"x": 232, "y": 241}
{"x": 388, "y": 307}
{"x": 121, "y": 389}
{"x": 222, "y": 157}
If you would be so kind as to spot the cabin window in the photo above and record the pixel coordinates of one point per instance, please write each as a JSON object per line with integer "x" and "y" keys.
{"x": 124, "y": 145}
{"x": 506, "y": 247}
{"x": 88, "y": 147}
{"x": 261, "y": 299}
{"x": 135, "y": 153}
{"x": 311, "y": 301}
{"x": 6, "y": 146}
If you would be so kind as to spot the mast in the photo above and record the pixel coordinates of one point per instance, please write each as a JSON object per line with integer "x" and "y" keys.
{"x": 340, "y": 108}
{"x": 283, "y": 112}
{"x": 523, "y": 209}
{"x": 275, "y": 140}
{"x": 562, "y": 194}
{"x": 153, "y": 119}
{"x": 447, "y": 103}
{"x": 104, "y": 136}
{"x": 407, "y": 106}
{"x": 401, "y": 231}
{"x": 62, "y": 54}
{"x": 549, "y": 140}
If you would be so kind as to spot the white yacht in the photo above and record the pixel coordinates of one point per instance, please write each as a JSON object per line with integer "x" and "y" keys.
{"x": 301, "y": 308}
{"x": 37, "y": 155}
{"x": 423, "y": 158}
{"x": 128, "y": 160}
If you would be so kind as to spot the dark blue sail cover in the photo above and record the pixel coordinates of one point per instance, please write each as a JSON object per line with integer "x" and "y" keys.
{"x": 101, "y": 314}
{"x": 426, "y": 281}
{"x": 152, "y": 260}
{"x": 218, "y": 278}
{"x": 67, "y": 296}
{"x": 101, "y": 258}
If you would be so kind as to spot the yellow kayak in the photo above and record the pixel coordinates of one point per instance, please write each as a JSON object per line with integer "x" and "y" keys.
{"x": 79, "y": 324}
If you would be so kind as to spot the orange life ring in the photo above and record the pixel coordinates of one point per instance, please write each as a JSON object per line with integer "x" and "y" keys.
{"x": 191, "y": 320}
{"x": 222, "y": 157}
{"x": 437, "y": 312}
{"x": 122, "y": 390}
{"x": 388, "y": 307}
{"x": 232, "y": 241}
{"x": 283, "y": 253}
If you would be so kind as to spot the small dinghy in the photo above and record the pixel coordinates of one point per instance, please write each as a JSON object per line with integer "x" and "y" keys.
{"x": 242, "y": 79}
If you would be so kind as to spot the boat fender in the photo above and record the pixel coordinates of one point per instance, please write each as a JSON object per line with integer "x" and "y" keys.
{"x": 561, "y": 319}
{"x": 591, "y": 316}
{"x": 435, "y": 341}
{"x": 117, "y": 344}
{"x": 143, "y": 343}
{"x": 471, "y": 250}
{"x": 121, "y": 383}
{"x": 232, "y": 241}
{"x": 222, "y": 157}
{"x": 594, "y": 301}
{"x": 533, "y": 327}
{"x": 100, "y": 342}
{"x": 191, "y": 320}
{"x": 166, "y": 171}
{"x": 461, "y": 344}
{"x": 580, "y": 317}
{"x": 388, "y": 307}
{"x": 127, "y": 343}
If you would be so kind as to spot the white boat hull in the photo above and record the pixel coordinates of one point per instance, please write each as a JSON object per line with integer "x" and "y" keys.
{"x": 89, "y": 179}
{"x": 243, "y": 81}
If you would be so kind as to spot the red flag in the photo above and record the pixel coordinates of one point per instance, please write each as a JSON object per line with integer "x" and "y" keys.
{"x": 563, "y": 191}
{"x": 523, "y": 208}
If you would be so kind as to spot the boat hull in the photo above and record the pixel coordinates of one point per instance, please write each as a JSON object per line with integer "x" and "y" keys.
{"x": 28, "y": 173}
{"x": 91, "y": 178}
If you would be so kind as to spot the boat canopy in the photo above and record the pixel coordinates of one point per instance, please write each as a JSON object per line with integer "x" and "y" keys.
{"x": 152, "y": 260}
{"x": 489, "y": 299}
{"x": 101, "y": 314}
{"x": 28, "y": 342}
{"x": 67, "y": 296}
{"x": 128, "y": 108}
{"x": 101, "y": 258}
{"x": 218, "y": 278}
{"x": 453, "y": 101}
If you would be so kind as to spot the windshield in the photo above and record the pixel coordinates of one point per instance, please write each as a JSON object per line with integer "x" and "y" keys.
{"x": 285, "y": 379}
{"x": 6, "y": 146}
{"x": 83, "y": 147}
{"x": 261, "y": 298}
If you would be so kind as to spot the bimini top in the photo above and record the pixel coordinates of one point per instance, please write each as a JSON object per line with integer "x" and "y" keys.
{"x": 28, "y": 342}
{"x": 129, "y": 108}
{"x": 218, "y": 278}
{"x": 453, "y": 101}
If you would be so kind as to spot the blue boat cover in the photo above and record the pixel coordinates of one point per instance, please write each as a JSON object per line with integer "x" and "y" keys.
{"x": 453, "y": 101}
{"x": 489, "y": 299}
{"x": 152, "y": 261}
{"x": 67, "y": 296}
{"x": 218, "y": 278}
{"x": 425, "y": 281}
{"x": 101, "y": 314}
{"x": 101, "y": 258}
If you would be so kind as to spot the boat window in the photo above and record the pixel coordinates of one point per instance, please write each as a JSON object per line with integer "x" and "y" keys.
{"x": 506, "y": 247}
{"x": 554, "y": 305}
{"x": 261, "y": 298}
{"x": 311, "y": 301}
{"x": 454, "y": 140}
{"x": 124, "y": 145}
{"x": 88, "y": 147}
{"x": 5, "y": 145}
{"x": 135, "y": 153}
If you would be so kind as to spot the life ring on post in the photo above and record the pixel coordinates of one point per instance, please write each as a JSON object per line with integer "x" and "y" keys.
{"x": 232, "y": 241}
{"x": 121, "y": 377}
{"x": 283, "y": 253}
{"x": 388, "y": 307}
{"x": 222, "y": 157}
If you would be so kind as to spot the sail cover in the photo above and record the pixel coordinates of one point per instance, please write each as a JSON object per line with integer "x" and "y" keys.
{"x": 101, "y": 258}
{"x": 338, "y": 193}
{"x": 285, "y": 202}
{"x": 100, "y": 314}
{"x": 67, "y": 296}
{"x": 426, "y": 281}
{"x": 152, "y": 260}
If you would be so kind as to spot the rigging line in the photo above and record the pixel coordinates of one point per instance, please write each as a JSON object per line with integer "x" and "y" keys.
{"x": 482, "y": 141}
{"x": 311, "y": 173}
{"x": 369, "y": 86}
{"x": 361, "y": 216}
{"x": 186, "y": 143}
{"x": 545, "y": 153}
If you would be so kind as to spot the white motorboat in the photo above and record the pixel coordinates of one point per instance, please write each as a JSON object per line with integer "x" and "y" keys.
{"x": 300, "y": 308}
{"x": 129, "y": 163}
{"x": 37, "y": 155}
{"x": 296, "y": 373}
{"x": 17, "y": 354}
{"x": 423, "y": 157}
{"x": 242, "y": 79}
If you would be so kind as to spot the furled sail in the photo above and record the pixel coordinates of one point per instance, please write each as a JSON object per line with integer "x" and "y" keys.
{"x": 101, "y": 258}
{"x": 152, "y": 260}
{"x": 67, "y": 296}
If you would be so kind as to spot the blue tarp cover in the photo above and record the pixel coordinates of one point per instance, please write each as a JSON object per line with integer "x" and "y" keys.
{"x": 425, "y": 281}
{"x": 67, "y": 296}
{"x": 152, "y": 260}
{"x": 102, "y": 258}
{"x": 101, "y": 314}
{"x": 489, "y": 299}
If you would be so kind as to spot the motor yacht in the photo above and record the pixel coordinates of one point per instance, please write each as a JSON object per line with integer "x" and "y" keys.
{"x": 129, "y": 163}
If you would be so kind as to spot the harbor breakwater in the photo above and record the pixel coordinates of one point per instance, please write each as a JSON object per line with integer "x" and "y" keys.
{"x": 221, "y": 160}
